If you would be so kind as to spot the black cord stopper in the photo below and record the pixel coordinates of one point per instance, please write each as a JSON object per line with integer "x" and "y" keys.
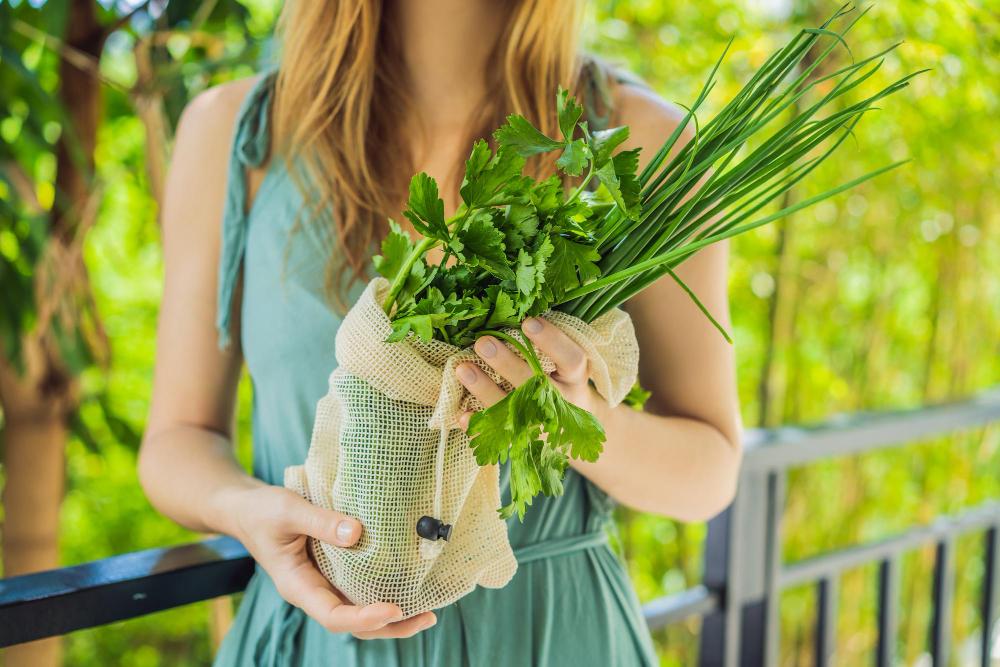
{"x": 433, "y": 529}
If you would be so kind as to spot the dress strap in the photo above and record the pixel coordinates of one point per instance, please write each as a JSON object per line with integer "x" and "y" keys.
{"x": 250, "y": 146}
{"x": 598, "y": 100}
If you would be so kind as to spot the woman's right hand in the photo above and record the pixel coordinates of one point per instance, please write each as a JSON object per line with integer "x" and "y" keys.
{"x": 273, "y": 523}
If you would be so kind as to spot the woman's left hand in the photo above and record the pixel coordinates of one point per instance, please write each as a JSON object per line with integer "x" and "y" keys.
{"x": 570, "y": 376}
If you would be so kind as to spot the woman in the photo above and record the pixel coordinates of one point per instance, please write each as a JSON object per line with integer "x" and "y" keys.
{"x": 267, "y": 238}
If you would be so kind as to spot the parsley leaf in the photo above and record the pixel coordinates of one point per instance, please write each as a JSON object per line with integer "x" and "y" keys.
{"x": 604, "y": 142}
{"x": 570, "y": 265}
{"x": 520, "y": 135}
{"x": 482, "y": 245}
{"x": 574, "y": 158}
{"x": 425, "y": 209}
{"x": 395, "y": 249}
{"x": 495, "y": 181}
{"x": 569, "y": 113}
{"x": 618, "y": 176}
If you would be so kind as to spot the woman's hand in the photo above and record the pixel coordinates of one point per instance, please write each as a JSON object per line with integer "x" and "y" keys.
{"x": 273, "y": 523}
{"x": 570, "y": 376}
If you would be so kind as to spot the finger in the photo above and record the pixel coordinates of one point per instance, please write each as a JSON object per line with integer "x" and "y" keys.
{"x": 309, "y": 590}
{"x": 401, "y": 629}
{"x": 479, "y": 383}
{"x": 500, "y": 358}
{"x": 463, "y": 420}
{"x": 569, "y": 358}
{"x": 325, "y": 525}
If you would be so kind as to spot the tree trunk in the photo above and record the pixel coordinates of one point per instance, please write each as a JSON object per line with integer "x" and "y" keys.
{"x": 35, "y": 415}
{"x": 38, "y": 402}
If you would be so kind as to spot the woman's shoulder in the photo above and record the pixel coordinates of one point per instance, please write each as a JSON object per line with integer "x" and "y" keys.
{"x": 197, "y": 179}
{"x": 203, "y": 142}
{"x": 651, "y": 119}
{"x": 209, "y": 118}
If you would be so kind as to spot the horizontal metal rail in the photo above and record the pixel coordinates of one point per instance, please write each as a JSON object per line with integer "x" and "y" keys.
{"x": 56, "y": 602}
{"x": 670, "y": 609}
{"x": 788, "y": 447}
{"x": 60, "y": 601}
{"x": 945, "y": 528}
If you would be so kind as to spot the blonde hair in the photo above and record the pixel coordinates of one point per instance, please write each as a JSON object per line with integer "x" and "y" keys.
{"x": 340, "y": 98}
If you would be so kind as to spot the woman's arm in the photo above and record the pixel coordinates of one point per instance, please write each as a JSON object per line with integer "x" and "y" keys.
{"x": 186, "y": 464}
{"x": 681, "y": 456}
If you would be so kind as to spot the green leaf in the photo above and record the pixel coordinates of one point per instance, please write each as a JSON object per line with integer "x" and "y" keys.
{"x": 574, "y": 159}
{"x": 520, "y": 226}
{"x": 575, "y": 429}
{"x": 570, "y": 265}
{"x": 494, "y": 182}
{"x": 504, "y": 312}
{"x": 426, "y": 208}
{"x": 395, "y": 249}
{"x": 482, "y": 244}
{"x": 521, "y": 136}
{"x": 548, "y": 195}
{"x": 569, "y": 113}
{"x": 604, "y": 142}
{"x": 490, "y": 432}
{"x": 636, "y": 397}
{"x": 624, "y": 188}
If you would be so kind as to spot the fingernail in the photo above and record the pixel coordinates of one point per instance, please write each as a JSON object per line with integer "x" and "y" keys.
{"x": 532, "y": 326}
{"x": 467, "y": 375}
{"x": 345, "y": 531}
{"x": 486, "y": 348}
{"x": 431, "y": 623}
{"x": 394, "y": 619}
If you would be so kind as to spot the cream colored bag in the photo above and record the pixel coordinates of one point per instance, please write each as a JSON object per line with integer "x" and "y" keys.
{"x": 386, "y": 449}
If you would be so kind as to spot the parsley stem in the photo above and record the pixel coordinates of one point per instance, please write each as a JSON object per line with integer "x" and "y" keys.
{"x": 527, "y": 352}
{"x": 583, "y": 184}
{"x": 404, "y": 271}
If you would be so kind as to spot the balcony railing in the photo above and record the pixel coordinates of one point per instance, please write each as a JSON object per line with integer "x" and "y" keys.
{"x": 745, "y": 573}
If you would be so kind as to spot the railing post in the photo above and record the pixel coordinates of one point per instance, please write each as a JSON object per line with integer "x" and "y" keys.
{"x": 991, "y": 591}
{"x": 888, "y": 611}
{"x": 739, "y": 551}
{"x": 944, "y": 596}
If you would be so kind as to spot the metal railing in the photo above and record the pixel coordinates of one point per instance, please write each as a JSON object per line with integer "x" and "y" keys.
{"x": 744, "y": 570}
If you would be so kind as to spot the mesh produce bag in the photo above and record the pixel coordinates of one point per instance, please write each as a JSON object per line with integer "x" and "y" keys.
{"x": 387, "y": 449}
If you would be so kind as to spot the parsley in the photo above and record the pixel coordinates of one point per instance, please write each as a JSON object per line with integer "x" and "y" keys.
{"x": 524, "y": 246}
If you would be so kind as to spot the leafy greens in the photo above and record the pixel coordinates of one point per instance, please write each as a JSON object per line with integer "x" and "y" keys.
{"x": 522, "y": 246}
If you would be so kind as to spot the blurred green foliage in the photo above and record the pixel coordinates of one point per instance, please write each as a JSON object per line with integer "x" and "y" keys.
{"x": 888, "y": 297}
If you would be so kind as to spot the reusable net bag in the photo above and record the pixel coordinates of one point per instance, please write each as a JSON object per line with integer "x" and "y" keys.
{"x": 387, "y": 449}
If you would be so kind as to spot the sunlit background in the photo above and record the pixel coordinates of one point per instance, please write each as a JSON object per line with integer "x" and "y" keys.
{"x": 886, "y": 297}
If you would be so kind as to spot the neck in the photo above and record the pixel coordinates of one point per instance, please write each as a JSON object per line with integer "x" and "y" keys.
{"x": 446, "y": 45}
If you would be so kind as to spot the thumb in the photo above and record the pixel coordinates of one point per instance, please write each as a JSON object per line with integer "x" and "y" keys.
{"x": 325, "y": 525}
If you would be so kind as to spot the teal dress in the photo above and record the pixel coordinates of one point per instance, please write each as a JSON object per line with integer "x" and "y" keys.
{"x": 571, "y": 601}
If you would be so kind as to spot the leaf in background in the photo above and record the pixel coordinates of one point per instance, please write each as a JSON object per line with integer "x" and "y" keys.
{"x": 636, "y": 397}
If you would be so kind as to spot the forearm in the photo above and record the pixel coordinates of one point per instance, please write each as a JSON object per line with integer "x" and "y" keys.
{"x": 675, "y": 466}
{"x": 189, "y": 473}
